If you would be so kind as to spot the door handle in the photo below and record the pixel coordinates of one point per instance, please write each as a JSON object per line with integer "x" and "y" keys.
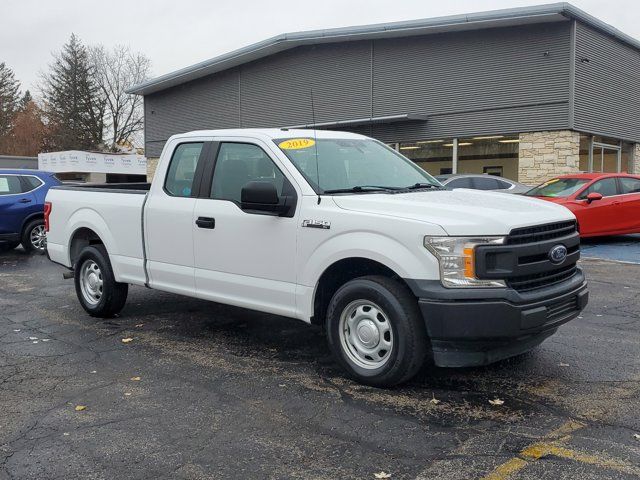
{"x": 24, "y": 200}
{"x": 206, "y": 222}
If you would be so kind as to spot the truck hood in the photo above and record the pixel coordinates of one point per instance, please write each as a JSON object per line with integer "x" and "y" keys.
{"x": 460, "y": 211}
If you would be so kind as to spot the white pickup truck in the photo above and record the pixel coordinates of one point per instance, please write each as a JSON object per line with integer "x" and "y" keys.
{"x": 334, "y": 229}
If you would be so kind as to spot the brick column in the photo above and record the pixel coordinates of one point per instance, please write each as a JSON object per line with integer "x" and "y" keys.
{"x": 152, "y": 164}
{"x": 544, "y": 155}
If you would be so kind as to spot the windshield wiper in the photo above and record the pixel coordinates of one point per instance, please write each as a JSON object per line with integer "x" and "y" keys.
{"x": 363, "y": 188}
{"x": 417, "y": 186}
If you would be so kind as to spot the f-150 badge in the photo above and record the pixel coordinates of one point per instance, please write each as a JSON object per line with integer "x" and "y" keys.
{"x": 323, "y": 224}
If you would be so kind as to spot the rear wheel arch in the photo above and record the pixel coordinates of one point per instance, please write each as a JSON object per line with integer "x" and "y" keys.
{"x": 29, "y": 219}
{"x": 81, "y": 238}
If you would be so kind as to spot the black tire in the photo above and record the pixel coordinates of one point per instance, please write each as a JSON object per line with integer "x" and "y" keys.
{"x": 400, "y": 307}
{"x": 6, "y": 246}
{"x": 110, "y": 299}
{"x": 27, "y": 242}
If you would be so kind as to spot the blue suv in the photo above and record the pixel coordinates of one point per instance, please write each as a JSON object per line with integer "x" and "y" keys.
{"x": 22, "y": 194}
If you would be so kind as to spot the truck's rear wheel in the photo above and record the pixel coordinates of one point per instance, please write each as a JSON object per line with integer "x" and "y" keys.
{"x": 376, "y": 331}
{"x": 99, "y": 293}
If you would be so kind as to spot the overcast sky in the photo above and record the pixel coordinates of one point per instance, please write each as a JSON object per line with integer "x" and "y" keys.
{"x": 178, "y": 33}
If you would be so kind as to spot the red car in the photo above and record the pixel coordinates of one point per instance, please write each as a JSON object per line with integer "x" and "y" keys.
{"x": 603, "y": 203}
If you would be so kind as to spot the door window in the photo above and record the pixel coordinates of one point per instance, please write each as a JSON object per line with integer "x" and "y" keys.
{"x": 630, "y": 185}
{"x": 238, "y": 164}
{"x": 182, "y": 170}
{"x": 605, "y": 187}
{"x": 486, "y": 183}
{"x": 464, "y": 182}
{"x": 30, "y": 183}
{"x": 10, "y": 185}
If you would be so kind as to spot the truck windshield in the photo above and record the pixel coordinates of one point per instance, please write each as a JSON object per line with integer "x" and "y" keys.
{"x": 336, "y": 165}
{"x": 557, "y": 187}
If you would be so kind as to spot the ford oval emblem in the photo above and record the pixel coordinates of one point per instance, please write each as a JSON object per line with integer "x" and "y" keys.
{"x": 558, "y": 254}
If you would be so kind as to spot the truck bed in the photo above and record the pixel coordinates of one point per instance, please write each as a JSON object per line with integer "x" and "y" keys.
{"x": 114, "y": 211}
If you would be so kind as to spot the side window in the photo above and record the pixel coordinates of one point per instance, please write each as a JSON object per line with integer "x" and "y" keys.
{"x": 464, "y": 182}
{"x": 10, "y": 185}
{"x": 182, "y": 169}
{"x": 606, "y": 187}
{"x": 486, "y": 183}
{"x": 238, "y": 164}
{"x": 30, "y": 183}
{"x": 630, "y": 185}
{"x": 502, "y": 185}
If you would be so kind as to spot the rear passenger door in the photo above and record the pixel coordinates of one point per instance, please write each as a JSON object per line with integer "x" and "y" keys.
{"x": 168, "y": 214}
{"x": 15, "y": 205}
{"x": 630, "y": 202}
{"x": 243, "y": 258}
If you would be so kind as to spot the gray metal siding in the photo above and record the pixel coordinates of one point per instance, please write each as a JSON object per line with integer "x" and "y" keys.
{"x": 607, "y": 85}
{"x": 276, "y": 91}
{"x": 207, "y": 103}
{"x": 499, "y": 80}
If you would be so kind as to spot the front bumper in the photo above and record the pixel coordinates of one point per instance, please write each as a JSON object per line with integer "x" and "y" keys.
{"x": 471, "y": 327}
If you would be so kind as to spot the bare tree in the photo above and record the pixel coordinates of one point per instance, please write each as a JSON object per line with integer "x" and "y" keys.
{"x": 117, "y": 70}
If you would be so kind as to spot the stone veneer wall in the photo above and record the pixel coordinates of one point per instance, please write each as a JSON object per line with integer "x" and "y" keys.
{"x": 544, "y": 155}
{"x": 635, "y": 160}
{"x": 152, "y": 164}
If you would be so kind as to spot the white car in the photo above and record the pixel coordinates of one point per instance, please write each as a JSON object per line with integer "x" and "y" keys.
{"x": 334, "y": 229}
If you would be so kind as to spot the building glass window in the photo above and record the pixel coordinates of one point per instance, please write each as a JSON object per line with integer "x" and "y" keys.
{"x": 604, "y": 154}
{"x": 434, "y": 156}
{"x": 490, "y": 154}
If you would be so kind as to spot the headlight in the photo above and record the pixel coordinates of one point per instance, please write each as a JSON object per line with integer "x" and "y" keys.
{"x": 457, "y": 259}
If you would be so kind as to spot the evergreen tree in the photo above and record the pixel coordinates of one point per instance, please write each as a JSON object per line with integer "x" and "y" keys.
{"x": 25, "y": 100}
{"x": 9, "y": 99}
{"x": 74, "y": 104}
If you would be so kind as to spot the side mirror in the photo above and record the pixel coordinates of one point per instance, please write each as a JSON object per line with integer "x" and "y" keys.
{"x": 261, "y": 197}
{"x": 593, "y": 196}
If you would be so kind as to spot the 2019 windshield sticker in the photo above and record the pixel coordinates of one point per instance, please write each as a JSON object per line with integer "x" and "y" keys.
{"x": 296, "y": 143}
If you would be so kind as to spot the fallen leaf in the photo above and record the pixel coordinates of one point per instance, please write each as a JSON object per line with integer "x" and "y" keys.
{"x": 127, "y": 394}
{"x": 45, "y": 339}
{"x": 66, "y": 434}
{"x": 94, "y": 371}
{"x": 33, "y": 338}
{"x": 140, "y": 325}
{"x": 434, "y": 400}
{"x": 636, "y": 436}
{"x": 496, "y": 401}
{"x": 563, "y": 364}
{"x": 382, "y": 475}
{"x": 16, "y": 330}
{"x": 282, "y": 385}
{"x": 127, "y": 340}
{"x": 79, "y": 408}
{"x": 135, "y": 379}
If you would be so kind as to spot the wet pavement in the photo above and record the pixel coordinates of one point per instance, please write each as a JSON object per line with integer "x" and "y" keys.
{"x": 207, "y": 391}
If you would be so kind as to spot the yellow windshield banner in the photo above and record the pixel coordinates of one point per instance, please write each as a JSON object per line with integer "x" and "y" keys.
{"x": 296, "y": 143}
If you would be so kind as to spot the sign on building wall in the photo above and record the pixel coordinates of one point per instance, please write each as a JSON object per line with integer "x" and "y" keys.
{"x": 90, "y": 162}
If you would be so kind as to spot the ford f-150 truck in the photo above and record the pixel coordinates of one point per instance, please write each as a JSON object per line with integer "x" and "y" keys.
{"x": 334, "y": 229}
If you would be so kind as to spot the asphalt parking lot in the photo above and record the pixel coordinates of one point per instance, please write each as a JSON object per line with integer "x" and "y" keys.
{"x": 206, "y": 391}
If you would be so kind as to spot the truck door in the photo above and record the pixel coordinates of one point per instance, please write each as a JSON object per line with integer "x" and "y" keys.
{"x": 168, "y": 213}
{"x": 241, "y": 258}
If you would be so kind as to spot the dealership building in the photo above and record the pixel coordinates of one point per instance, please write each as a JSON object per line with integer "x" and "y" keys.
{"x": 526, "y": 93}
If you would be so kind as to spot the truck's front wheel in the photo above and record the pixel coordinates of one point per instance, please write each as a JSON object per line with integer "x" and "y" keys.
{"x": 99, "y": 293}
{"x": 376, "y": 332}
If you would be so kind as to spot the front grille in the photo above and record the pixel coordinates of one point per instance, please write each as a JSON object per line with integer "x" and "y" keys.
{"x": 561, "y": 309}
{"x": 524, "y": 283}
{"x": 541, "y": 233}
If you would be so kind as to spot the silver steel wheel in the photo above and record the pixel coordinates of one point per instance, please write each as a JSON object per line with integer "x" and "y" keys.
{"x": 91, "y": 283}
{"x": 38, "y": 237}
{"x": 365, "y": 334}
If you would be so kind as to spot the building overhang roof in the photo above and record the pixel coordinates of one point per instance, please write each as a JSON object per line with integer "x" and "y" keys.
{"x": 356, "y": 122}
{"x": 555, "y": 12}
